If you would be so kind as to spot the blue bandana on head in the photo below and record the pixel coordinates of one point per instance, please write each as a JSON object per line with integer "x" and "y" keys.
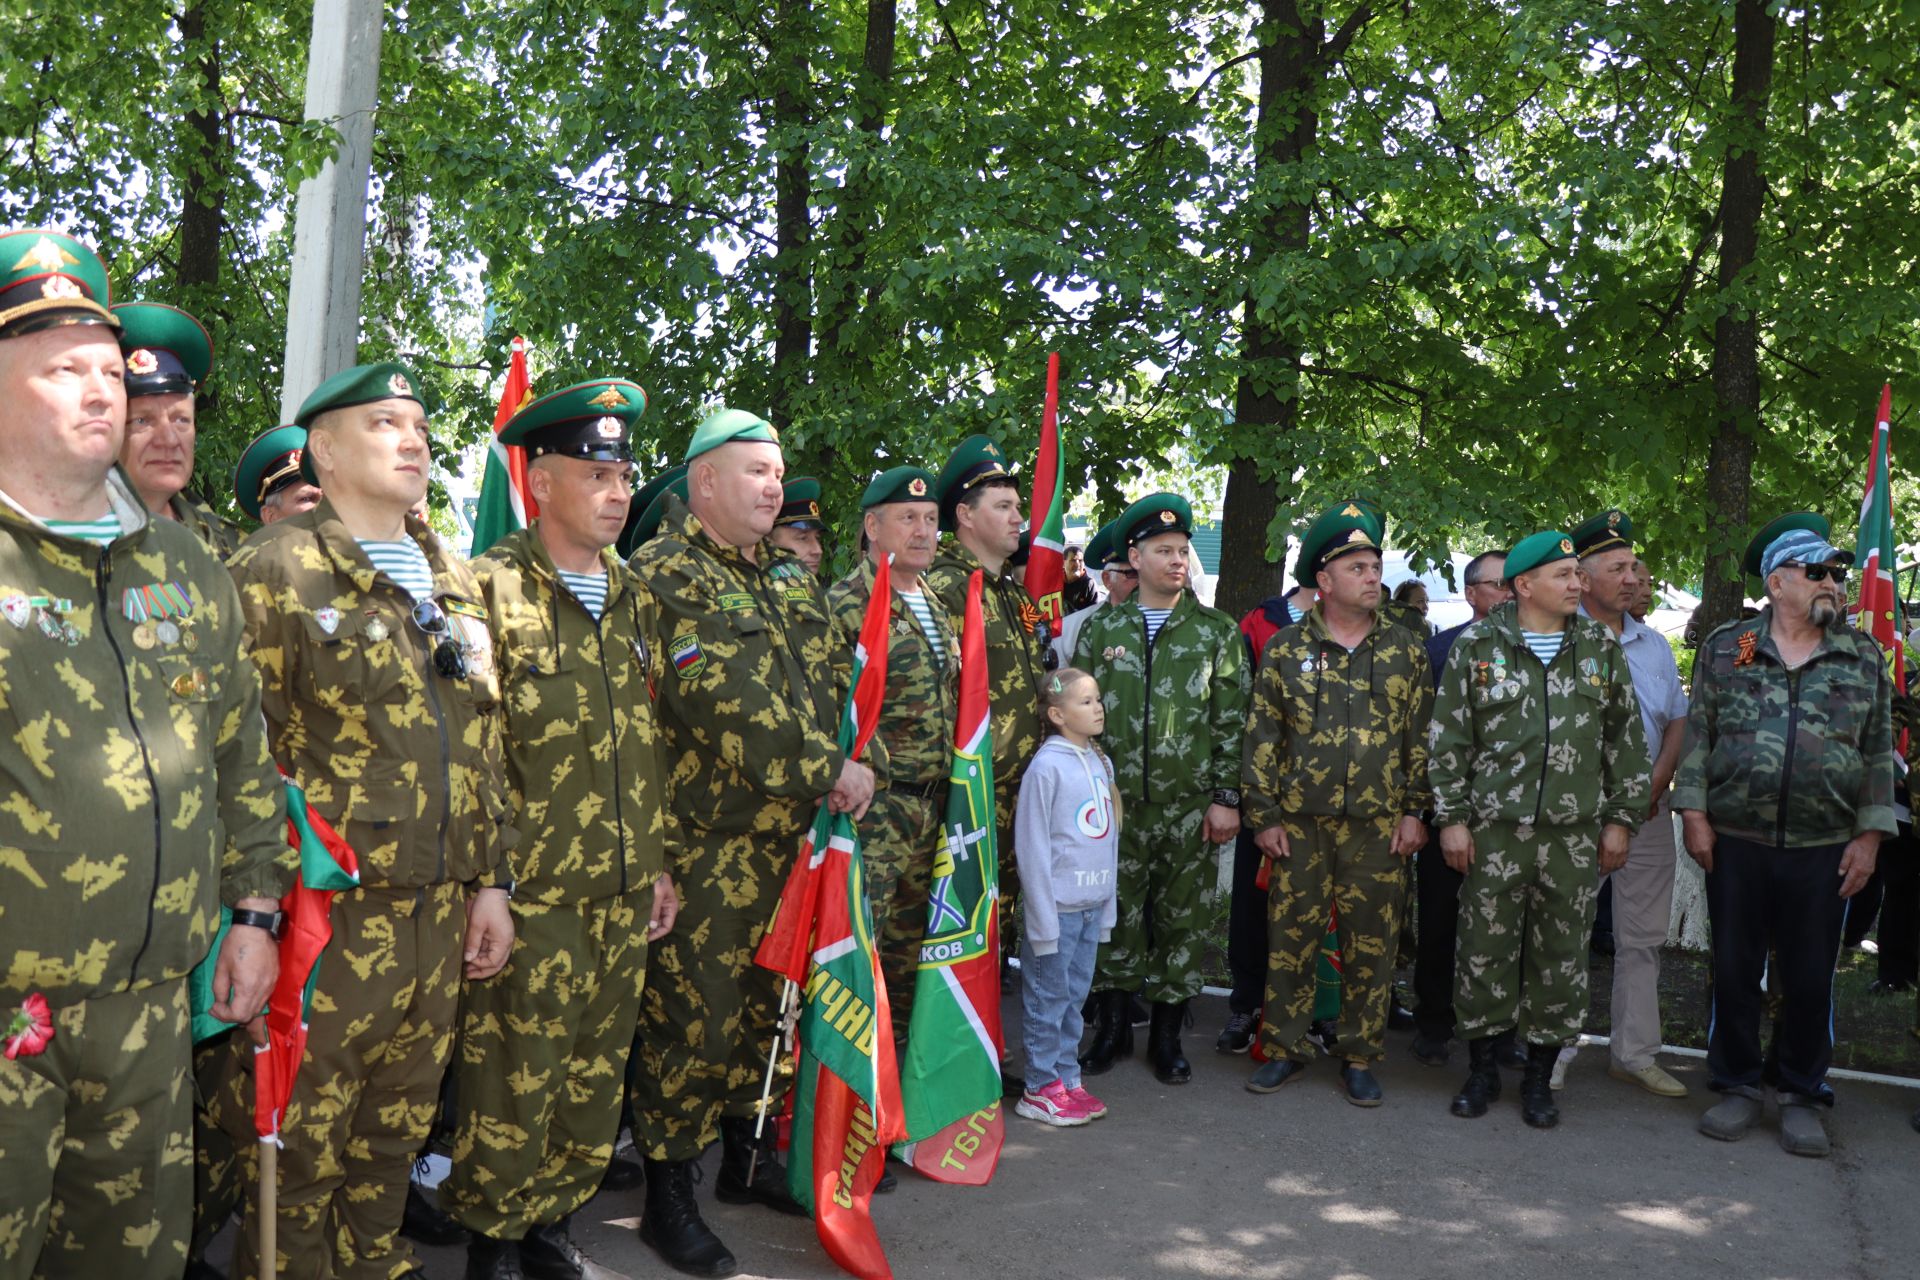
{"x": 1797, "y": 546}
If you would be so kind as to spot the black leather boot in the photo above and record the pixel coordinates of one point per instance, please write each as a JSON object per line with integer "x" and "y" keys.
{"x": 769, "y": 1177}
{"x": 1113, "y": 1035}
{"x": 1170, "y": 1066}
{"x": 1483, "y": 1081}
{"x": 424, "y": 1223}
{"x": 548, "y": 1253}
{"x": 490, "y": 1259}
{"x": 673, "y": 1226}
{"x": 1536, "y": 1087}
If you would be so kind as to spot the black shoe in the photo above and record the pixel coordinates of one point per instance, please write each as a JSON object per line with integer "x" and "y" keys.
{"x": 1271, "y": 1074}
{"x": 549, "y": 1253}
{"x": 1237, "y": 1035}
{"x": 1536, "y": 1087}
{"x": 1430, "y": 1053}
{"x": 490, "y": 1259}
{"x": 424, "y": 1223}
{"x": 1888, "y": 987}
{"x": 1482, "y": 1088}
{"x": 1321, "y": 1033}
{"x": 201, "y": 1269}
{"x": 1170, "y": 1066}
{"x": 1138, "y": 1015}
{"x": 1362, "y": 1089}
{"x": 1112, "y": 1036}
{"x": 623, "y": 1174}
{"x": 672, "y": 1225}
{"x": 887, "y": 1181}
{"x": 1509, "y": 1052}
{"x": 768, "y": 1185}
{"x": 1012, "y": 1083}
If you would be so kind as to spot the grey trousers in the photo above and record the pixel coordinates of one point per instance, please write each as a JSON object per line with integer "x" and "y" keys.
{"x": 1642, "y": 903}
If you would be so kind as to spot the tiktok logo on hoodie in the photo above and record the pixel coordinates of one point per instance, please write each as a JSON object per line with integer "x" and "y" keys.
{"x": 1095, "y": 817}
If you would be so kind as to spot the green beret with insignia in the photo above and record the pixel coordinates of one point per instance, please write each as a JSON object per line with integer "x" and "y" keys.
{"x": 896, "y": 485}
{"x": 1155, "y": 514}
{"x": 800, "y": 504}
{"x": 589, "y": 420}
{"x": 977, "y": 461}
{"x": 724, "y": 426}
{"x": 1353, "y": 525}
{"x": 168, "y": 352}
{"x": 1537, "y": 549}
{"x": 268, "y": 465}
{"x": 362, "y": 384}
{"x": 1100, "y": 550}
{"x": 1604, "y": 532}
{"x": 649, "y": 507}
{"x": 1809, "y": 521}
{"x": 49, "y": 279}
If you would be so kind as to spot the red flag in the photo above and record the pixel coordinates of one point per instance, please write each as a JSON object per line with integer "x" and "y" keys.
{"x": 1879, "y": 602}
{"x": 1046, "y": 511}
{"x": 506, "y": 504}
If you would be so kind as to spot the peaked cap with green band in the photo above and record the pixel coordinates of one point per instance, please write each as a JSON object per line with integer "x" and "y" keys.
{"x": 588, "y": 420}
{"x": 168, "y": 352}
{"x": 268, "y": 465}
{"x": 1537, "y": 549}
{"x": 1607, "y": 531}
{"x": 898, "y": 484}
{"x": 1101, "y": 550}
{"x": 1353, "y": 525}
{"x": 1375, "y": 512}
{"x": 724, "y": 426}
{"x": 649, "y": 508}
{"x": 1811, "y": 521}
{"x": 977, "y": 461}
{"x": 362, "y": 384}
{"x": 49, "y": 279}
{"x": 1155, "y": 514}
{"x": 800, "y": 504}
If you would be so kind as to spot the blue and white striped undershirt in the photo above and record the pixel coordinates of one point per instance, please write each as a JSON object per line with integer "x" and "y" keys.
{"x": 1545, "y": 644}
{"x": 923, "y": 614}
{"x": 590, "y": 589}
{"x": 404, "y": 562}
{"x": 99, "y": 532}
{"x": 1156, "y": 618}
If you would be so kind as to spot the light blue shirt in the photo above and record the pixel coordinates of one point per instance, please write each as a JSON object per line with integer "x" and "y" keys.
{"x": 1656, "y": 679}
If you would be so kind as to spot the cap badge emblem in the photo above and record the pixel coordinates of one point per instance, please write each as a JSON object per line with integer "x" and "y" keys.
{"x": 917, "y": 487}
{"x": 142, "y": 362}
{"x": 609, "y": 399}
{"x": 608, "y": 428}
{"x": 399, "y": 386}
{"x": 47, "y": 256}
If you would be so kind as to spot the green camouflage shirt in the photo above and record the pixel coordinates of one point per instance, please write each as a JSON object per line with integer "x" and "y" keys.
{"x": 1176, "y": 710}
{"x": 217, "y": 533}
{"x": 1337, "y": 733}
{"x": 1789, "y": 758}
{"x": 916, "y": 719}
{"x": 1015, "y": 666}
{"x": 404, "y": 762}
{"x": 139, "y": 793}
{"x": 586, "y": 771}
{"x": 1556, "y": 746}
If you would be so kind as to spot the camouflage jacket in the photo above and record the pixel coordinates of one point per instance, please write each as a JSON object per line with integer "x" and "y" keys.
{"x": 1555, "y": 746}
{"x": 140, "y": 797}
{"x": 586, "y": 767}
{"x": 755, "y": 680}
{"x": 1176, "y": 710}
{"x": 1789, "y": 758}
{"x": 1334, "y": 733}
{"x": 1015, "y": 666}
{"x": 217, "y": 533}
{"x": 916, "y": 720}
{"x": 403, "y": 761}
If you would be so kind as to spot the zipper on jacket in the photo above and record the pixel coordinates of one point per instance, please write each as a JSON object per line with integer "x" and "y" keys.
{"x": 102, "y": 573}
{"x": 1786, "y": 759}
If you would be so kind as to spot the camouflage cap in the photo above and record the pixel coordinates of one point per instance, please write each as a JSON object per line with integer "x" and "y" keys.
{"x": 49, "y": 279}
{"x": 1341, "y": 529}
{"x": 168, "y": 352}
{"x": 268, "y": 465}
{"x": 1810, "y": 521}
{"x": 588, "y": 420}
{"x": 1153, "y": 515}
{"x": 977, "y": 461}
{"x": 724, "y": 426}
{"x": 649, "y": 507}
{"x": 800, "y": 504}
{"x": 1605, "y": 532}
{"x": 1537, "y": 549}
{"x": 897, "y": 485}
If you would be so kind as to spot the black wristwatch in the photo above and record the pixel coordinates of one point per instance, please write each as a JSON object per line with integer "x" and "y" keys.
{"x": 1228, "y": 796}
{"x": 271, "y": 921}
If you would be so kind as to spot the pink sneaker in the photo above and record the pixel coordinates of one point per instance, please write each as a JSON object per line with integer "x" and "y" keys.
{"x": 1051, "y": 1105}
{"x": 1090, "y": 1105}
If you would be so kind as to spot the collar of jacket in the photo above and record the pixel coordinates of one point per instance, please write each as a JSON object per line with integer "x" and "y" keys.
{"x": 1182, "y": 608}
{"x": 960, "y": 554}
{"x": 1316, "y": 624}
{"x": 686, "y": 526}
{"x": 1828, "y": 643}
{"x": 898, "y": 607}
{"x": 526, "y": 548}
{"x": 350, "y": 562}
{"x": 1505, "y": 619}
{"x": 121, "y": 500}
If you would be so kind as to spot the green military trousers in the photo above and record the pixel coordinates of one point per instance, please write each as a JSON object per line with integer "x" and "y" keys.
{"x": 542, "y": 1062}
{"x": 96, "y": 1159}
{"x": 1526, "y": 909}
{"x": 216, "y": 1157}
{"x": 709, "y": 1013}
{"x": 379, "y": 1034}
{"x": 1343, "y": 865}
{"x": 1166, "y": 868}
{"x": 898, "y": 838}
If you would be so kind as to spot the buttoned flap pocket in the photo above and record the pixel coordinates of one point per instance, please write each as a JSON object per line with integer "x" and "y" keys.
{"x": 746, "y": 620}
{"x": 538, "y": 662}
{"x": 186, "y": 679}
{"x": 350, "y": 659}
{"x": 381, "y": 796}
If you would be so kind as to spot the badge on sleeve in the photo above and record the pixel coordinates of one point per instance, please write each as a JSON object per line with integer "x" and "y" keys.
{"x": 18, "y": 609}
{"x": 688, "y": 658}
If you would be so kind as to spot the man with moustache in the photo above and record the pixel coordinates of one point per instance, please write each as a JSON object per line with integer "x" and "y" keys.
{"x": 168, "y": 355}
{"x": 267, "y": 482}
{"x": 799, "y": 527}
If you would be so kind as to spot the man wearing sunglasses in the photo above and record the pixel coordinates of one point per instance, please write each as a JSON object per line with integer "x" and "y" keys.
{"x": 372, "y": 644}
{"x": 1785, "y": 789}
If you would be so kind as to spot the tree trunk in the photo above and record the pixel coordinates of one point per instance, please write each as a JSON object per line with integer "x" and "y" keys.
{"x": 792, "y": 272}
{"x": 855, "y": 216}
{"x": 1736, "y": 359}
{"x": 202, "y": 220}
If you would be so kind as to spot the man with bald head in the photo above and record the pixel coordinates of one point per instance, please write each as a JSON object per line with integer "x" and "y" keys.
{"x": 750, "y": 704}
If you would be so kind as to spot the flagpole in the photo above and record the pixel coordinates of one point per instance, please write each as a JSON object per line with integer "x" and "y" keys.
{"x": 269, "y": 1212}
{"x": 782, "y": 1036}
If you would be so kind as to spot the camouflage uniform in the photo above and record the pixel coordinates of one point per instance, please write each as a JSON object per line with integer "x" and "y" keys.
{"x": 406, "y": 764}
{"x": 544, "y": 1043}
{"x": 750, "y": 703}
{"x": 140, "y": 799}
{"x": 1535, "y": 760}
{"x": 1176, "y": 712}
{"x": 902, "y": 828}
{"x": 1336, "y": 755}
{"x": 217, "y": 533}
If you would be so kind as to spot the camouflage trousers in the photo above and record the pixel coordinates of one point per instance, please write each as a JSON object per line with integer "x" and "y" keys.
{"x": 1342, "y": 865}
{"x": 96, "y": 1171}
{"x": 542, "y": 1063}
{"x": 216, "y": 1158}
{"x": 379, "y": 1035}
{"x": 1526, "y": 908}
{"x": 1166, "y": 868}
{"x": 708, "y": 1014}
{"x": 897, "y": 841}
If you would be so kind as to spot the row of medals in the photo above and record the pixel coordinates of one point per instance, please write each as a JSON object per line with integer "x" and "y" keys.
{"x": 164, "y": 632}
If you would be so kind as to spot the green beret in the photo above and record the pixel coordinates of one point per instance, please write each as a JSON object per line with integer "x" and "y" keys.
{"x": 1154, "y": 514}
{"x": 362, "y": 384}
{"x": 896, "y": 485}
{"x": 649, "y": 507}
{"x": 269, "y": 464}
{"x": 1808, "y": 520}
{"x": 1604, "y": 532}
{"x": 977, "y": 461}
{"x": 1537, "y": 549}
{"x": 724, "y": 426}
{"x": 168, "y": 352}
{"x": 589, "y": 420}
{"x": 800, "y": 504}
{"x": 1101, "y": 551}
{"x": 1354, "y": 525}
{"x": 49, "y": 279}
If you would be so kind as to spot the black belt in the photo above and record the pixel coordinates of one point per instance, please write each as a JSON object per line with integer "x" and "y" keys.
{"x": 923, "y": 790}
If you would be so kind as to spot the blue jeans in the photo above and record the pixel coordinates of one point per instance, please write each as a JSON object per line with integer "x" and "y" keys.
{"x": 1052, "y": 990}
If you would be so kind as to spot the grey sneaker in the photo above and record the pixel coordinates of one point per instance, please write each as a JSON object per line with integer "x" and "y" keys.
{"x": 1731, "y": 1117}
{"x": 1802, "y": 1130}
